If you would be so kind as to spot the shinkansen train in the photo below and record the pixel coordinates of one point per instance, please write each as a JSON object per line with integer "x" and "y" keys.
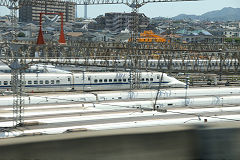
{"x": 89, "y": 81}
{"x": 154, "y": 63}
{"x": 37, "y": 68}
{"x": 99, "y": 96}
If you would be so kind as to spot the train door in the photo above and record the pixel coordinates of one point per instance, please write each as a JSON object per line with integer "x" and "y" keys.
{"x": 88, "y": 83}
{"x": 150, "y": 80}
{"x": 70, "y": 80}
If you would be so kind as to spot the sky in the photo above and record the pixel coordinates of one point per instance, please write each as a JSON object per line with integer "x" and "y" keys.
{"x": 167, "y": 9}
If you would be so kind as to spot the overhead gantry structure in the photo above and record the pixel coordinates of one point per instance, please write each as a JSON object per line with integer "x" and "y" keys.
{"x": 18, "y": 75}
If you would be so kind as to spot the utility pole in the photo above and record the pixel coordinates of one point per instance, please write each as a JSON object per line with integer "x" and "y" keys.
{"x": 159, "y": 87}
{"x": 85, "y": 11}
{"x": 13, "y": 12}
{"x": 17, "y": 85}
{"x": 17, "y": 70}
{"x": 135, "y": 76}
{"x": 186, "y": 88}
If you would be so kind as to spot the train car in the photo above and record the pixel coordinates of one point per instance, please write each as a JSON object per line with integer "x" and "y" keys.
{"x": 98, "y": 96}
{"x": 89, "y": 81}
{"x": 178, "y": 64}
{"x": 37, "y": 68}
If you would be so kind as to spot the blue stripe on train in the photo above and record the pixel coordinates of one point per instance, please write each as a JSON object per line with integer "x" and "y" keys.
{"x": 95, "y": 84}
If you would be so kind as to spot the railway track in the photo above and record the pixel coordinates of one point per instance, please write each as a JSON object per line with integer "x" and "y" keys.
{"x": 55, "y": 119}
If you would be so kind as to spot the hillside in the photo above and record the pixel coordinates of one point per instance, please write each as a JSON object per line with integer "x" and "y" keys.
{"x": 225, "y": 14}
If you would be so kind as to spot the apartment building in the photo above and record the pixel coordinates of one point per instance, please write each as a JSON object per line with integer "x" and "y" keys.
{"x": 31, "y": 11}
{"x": 117, "y": 22}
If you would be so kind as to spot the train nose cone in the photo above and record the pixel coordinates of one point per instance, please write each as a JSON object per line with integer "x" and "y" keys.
{"x": 179, "y": 84}
{"x": 182, "y": 84}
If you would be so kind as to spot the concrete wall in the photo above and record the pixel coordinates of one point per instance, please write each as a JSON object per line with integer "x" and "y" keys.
{"x": 151, "y": 143}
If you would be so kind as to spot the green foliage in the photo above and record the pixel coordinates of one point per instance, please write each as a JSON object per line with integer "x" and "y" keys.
{"x": 237, "y": 40}
{"x": 21, "y": 34}
{"x": 228, "y": 39}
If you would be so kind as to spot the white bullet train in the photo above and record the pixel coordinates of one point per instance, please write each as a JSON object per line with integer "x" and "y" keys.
{"x": 88, "y": 81}
{"x": 178, "y": 64}
{"x": 37, "y": 68}
{"x": 104, "y": 96}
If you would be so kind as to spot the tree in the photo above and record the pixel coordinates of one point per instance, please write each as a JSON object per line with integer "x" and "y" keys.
{"x": 228, "y": 40}
{"x": 237, "y": 40}
{"x": 21, "y": 34}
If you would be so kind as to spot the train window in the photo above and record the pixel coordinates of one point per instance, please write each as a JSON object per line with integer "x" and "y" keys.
{"x": 119, "y": 80}
{"x": 142, "y": 79}
{"x": 147, "y": 79}
{"x": 95, "y": 80}
{"x": 57, "y": 81}
{"x": 110, "y": 80}
{"x": 52, "y": 81}
{"x": 35, "y": 82}
{"x": 151, "y": 79}
{"x": 41, "y": 82}
{"x": 124, "y": 80}
{"x": 29, "y": 82}
{"x": 10, "y": 82}
{"x": 158, "y": 77}
{"x": 5, "y": 83}
{"x": 69, "y": 79}
{"x": 105, "y": 80}
{"x": 100, "y": 80}
{"x": 115, "y": 80}
{"x": 46, "y": 81}
{"x": 0, "y": 82}
{"x": 89, "y": 79}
